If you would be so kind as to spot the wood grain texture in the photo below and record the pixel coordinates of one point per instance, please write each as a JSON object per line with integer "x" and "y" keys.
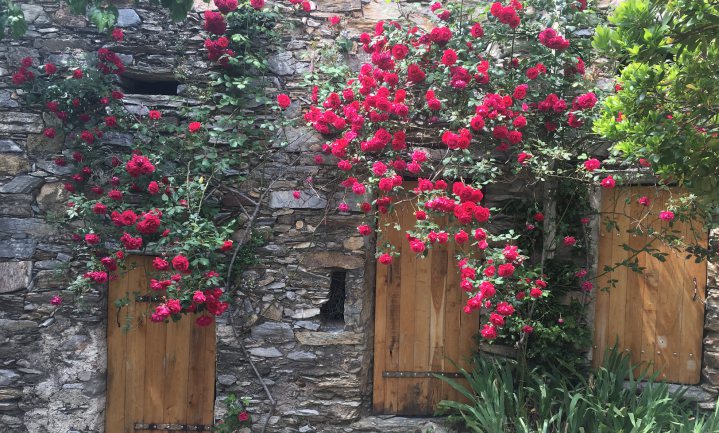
{"x": 656, "y": 315}
{"x": 153, "y": 366}
{"x": 419, "y": 323}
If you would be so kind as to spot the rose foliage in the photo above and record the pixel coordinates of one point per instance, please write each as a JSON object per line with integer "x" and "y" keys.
{"x": 444, "y": 114}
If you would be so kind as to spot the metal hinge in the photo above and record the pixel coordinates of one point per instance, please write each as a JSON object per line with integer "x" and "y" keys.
{"x": 415, "y": 374}
{"x": 172, "y": 427}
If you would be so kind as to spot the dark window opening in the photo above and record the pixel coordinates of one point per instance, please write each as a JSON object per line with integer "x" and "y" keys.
{"x": 334, "y": 309}
{"x": 138, "y": 86}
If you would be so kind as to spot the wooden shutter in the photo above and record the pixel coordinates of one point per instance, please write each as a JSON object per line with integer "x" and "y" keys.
{"x": 159, "y": 376}
{"x": 657, "y": 315}
{"x": 419, "y": 324}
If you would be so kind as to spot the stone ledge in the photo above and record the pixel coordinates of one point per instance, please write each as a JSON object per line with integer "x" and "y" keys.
{"x": 328, "y": 338}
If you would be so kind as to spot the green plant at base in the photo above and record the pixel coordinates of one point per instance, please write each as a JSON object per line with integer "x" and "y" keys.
{"x": 611, "y": 400}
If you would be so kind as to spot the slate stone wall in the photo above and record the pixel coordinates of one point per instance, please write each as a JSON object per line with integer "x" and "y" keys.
{"x": 52, "y": 361}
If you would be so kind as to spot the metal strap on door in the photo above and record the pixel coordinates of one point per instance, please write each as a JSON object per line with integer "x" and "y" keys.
{"x": 416, "y": 374}
{"x": 172, "y": 427}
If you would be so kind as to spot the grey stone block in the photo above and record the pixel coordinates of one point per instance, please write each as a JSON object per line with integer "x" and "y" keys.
{"x": 9, "y": 146}
{"x": 127, "y": 18}
{"x": 14, "y": 276}
{"x": 307, "y": 200}
{"x": 17, "y": 249}
{"x": 21, "y": 185}
{"x": 272, "y": 331}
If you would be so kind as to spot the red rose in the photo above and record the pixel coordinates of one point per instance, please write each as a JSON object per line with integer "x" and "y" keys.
{"x": 666, "y": 215}
{"x": 160, "y": 264}
{"x": 50, "y": 68}
{"x": 193, "y": 127}
{"x": 139, "y": 165}
{"x": 203, "y": 321}
{"x": 477, "y": 31}
{"x": 49, "y": 132}
{"x": 608, "y": 182}
{"x": 92, "y": 239}
{"x": 257, "y": 4}
{"x": 154, "y": 115}
{"x": 385, "y": 259}
{"x": 117, "y": 34}
{"x": 449, "y": 57}
{"x": 591, "y": 164}
{"x": 180, "y": 263}
{"x": 77, "y": 73}
{"x": 243, "y": 416}
{"x": 364, "y": 230}
{"x": 115, "y": 194}
{"x": 489, "y": 332}
{"x": 569, "y": 241}
{"x": 283, "y": 101}
{"x": 99, "y": 209}
{"x": 226, "y": 246}
{"x": 535, "y": 292}
{"x": 153, "y": 188}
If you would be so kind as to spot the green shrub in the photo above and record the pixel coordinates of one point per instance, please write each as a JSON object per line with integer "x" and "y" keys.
{"x": 611, "y": 400}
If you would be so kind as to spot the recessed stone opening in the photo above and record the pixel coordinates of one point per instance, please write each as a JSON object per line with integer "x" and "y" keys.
{"x": 332, "y": 312}
{"x": 148, "y": 87}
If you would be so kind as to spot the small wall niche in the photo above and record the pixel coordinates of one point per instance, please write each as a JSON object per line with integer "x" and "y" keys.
{"x": 333, "y": 311}
{"x": 139, "y": 86}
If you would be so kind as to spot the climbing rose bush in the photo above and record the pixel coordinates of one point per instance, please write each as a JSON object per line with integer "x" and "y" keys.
{"x": 489, "y": 92}
{"x": 140, "y": 199}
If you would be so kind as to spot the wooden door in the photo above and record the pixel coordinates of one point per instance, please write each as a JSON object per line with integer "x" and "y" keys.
{"x": 657, "y": 315}
{"x": 419, "y": 324}
{"x": 157, "y": 373}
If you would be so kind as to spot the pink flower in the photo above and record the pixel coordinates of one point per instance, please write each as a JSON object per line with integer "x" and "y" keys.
{"x": 489, "y": 332}
{"x": 666, "y": 215}
{"x": 160, "y": 264}
{"x": 364, "y": 230}
{"x": 296, "y": 195}
{"x": 527, "y": 329}
{"x": 334, "y": 20}
{"x": 591, "y": 164}
{"x": 283, "y": 101}
{"x": 154, "y": 114}
{"x": 644, "y": 201}
{"x": 193, "y": 127}
{"x": 56, "y": 300}
{"x": 608, "y": 182}
{"x": 385, "y": 259}
{"x": 569, "y": 241}
{"x": 535, "y": 292}
{"x": 257, "y": 4}
{"x": 180, "y": 263}
{"x": 343, "y": 207}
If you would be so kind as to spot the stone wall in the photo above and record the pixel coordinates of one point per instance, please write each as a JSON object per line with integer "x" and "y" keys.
{"x": 53, "y": 366}
{"x": 52, "y": 361}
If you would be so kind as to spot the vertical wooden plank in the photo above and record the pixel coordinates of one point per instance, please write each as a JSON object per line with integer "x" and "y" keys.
{"x": 391, "y": 350}
{"x": 201, "y": 374}
{"x": 618, "y": 293}
{"x": 135, "y": 355}
{"x": 422, "y": 301}
{"x": 601, "y": 303}
{"x": 635, "y": 280}
{"x": 653, "y": 276}
{"x": 177, "y": 353}
{"x": 116, "y": 348}
{"x": 382, "y": 281}
{"x": 407, "y": 317}
{"x": 452, "y": 321}
{"x": 692, "y": 316}
{"x": 154, "y": 383}
{"x": 437, "y": 337}
{"x": 670, "y": 276}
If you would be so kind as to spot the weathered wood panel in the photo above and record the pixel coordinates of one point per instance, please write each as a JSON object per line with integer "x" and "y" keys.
{"x": 657, "y": 314}
{"x": 419, "y": 322}
{"x": 157, "y": 373}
